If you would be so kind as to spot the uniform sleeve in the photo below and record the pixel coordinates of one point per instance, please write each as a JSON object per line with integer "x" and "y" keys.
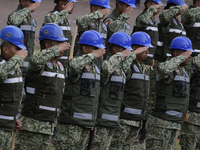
{"x": 9, "y": 66}
{"x": 39, "y": 59}
{"x": 143, "y": 20}
{"x": 167, "y": 15}
{"x": 127, "y": 63}
{"x": 56, "y": 17}
{"x": 196, "y": 62}
{"x": 109, "y": 66}
{"x": 84, "y": 21}
{"x": 166, "y": 68}
{"x": 77, "y": 64}
{"x": 114, "y": 26}
{"x": 189, "y": 17}
{"x": 17, "y": 17}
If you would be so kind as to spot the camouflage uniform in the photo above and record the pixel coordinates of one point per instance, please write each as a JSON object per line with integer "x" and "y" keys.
{"x": 74, "y": 137}
{"x": 104, "y": 135}
{"x": 23, "y": 20}
{"x": 115, "y": 23}
{"x": 61, "y": 18}
{"x": 91, "y": 22}
{"x": 162, "y": 134}
{"x": 35, "y": 134}
{"x": 5, "y": 69}
{"x": 190, "y": 129}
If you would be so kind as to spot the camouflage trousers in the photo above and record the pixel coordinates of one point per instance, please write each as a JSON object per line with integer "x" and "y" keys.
{"x": 124, "y": 137}
{"x": 190, "y": 136}
{"x": 5, "y": 140}
{"x": 158, "y": 138}
{"x": 26, "y": 140}
{"x": 102, "y": 139}
{"x": 71, "y": 137}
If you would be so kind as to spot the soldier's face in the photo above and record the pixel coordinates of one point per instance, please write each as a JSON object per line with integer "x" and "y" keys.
{"x": 9, "y": 51}
{"x": 26, "y": 3}
{"x": 158, "y": 9}
{"x": 88, "y": 49}
{"x": 142, "y": 56}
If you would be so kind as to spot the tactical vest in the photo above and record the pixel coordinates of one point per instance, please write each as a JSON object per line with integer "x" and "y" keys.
{"x": 152, "y": 30}
{"x": 135, "y": 94}
{"x": 44, "y": 93}
{"x": 193, "y": 33}
{"x": 111, "y": 96}
{"x": 194, "y": 103}
{"x": 165, "y": 38}
{"x": 80, "y": 100}
{"x": 172, "y": 99}
{"x": 10, "y": 97}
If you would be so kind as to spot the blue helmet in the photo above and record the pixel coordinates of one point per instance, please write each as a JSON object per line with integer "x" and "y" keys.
{"x": 92, "y": 38}
{"x": 122, "y": 39}
{"x": 157, "y": 1}
{"x": 181, "y": 43}
{"x": 103, "y": 3}
{"x": 37, "y": 0}
{"x": 56, "y": 1}
{"x": 129, "y": 2}
{"x": 13, "y": 35}
{"x": 53, "y": 32}
{"x": 178, "y": 2}
{"x": 141, "y": 38}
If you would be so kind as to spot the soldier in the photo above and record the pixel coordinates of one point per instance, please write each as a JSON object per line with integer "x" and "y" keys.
{"x": 92, "y": 21}
{"x": 117, "y": 20}
{"x": 172, "y": 97}
{"x": 80, "y": 100}
{"x": 12, "y": 57}
{"x": 60, "y": 16}
{"x": 44, "y": 89}
{"x": 22, "y": 18}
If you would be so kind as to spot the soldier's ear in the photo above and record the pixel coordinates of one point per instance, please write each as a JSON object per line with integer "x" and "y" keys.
{"x": 5, "y": 50}
{"x": 84, "y": 49}
{"x": 94, "y": 8}
{"x": 148, "y": 5}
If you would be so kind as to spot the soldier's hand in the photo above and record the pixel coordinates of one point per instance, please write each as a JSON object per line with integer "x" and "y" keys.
{"x": 22, "y": 53}
{"x": 98, "y": 53}
{"x": 140, "y": 50}
{"x": 104, "y": 11}
{"x": 18, "y": 125}
{"x": 128, "y": 10}
{"x": 68, "y": 7}
{"x": 63, "y": 46}
{"x": 158, "y": 5}
{"x": 33, "y": 6}
{"x": 184, "y": 7}
{"x": 187, "y": 54}
{"x": 126, "y": 52}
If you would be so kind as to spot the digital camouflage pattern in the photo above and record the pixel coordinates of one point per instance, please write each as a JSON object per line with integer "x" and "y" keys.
{"x": 11, "y": 65}
{"x": 102, "y": 139}
{"x": 61, "y": 18}
{"x": 26, "y": 140}
{"x": 124, "y": 137}
{"x": 5, "y": 140}
{"x": 166, "y": 16}
{"x": 71, "y": 137}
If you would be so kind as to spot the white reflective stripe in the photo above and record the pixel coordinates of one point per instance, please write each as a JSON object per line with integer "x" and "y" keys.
{"x": 137, "y": 76}
{"x": 90, "y": 76}
{"x": 104, "y": 35}
{"x": 118, "y": 79}
{"x": 133, "y": 111}
{"x": 65, "y": 28}
{"x": 2, "y": 62}
{"x": 47, "y": 108}
{"x": 63, "y": 57}
{"x": 177, "y": 31}
{"x": 174, "y": 113}
{"x": 152, "y": 28}
{"x": 53, "y": 74}
{"x": 14, "y": 80}
{"x": 7, "y": 117}
{"x": 109, "y": 117}
{"x": 30, "y": 90}
{"x": 146, "y": 77}
{"x": 169, "y": 55}
{"x": 198, "y": 104}
{"x": 83, "y": 116}
{"x": 197, "y": 50}
{"x": 159, "y": 43}
{"x": 197, "y": 24}
{"x": 26, "y": 64}
{"x": 184, "y": 33}
{"x": 149, "y": 55}
{"x": 181, "y": 78}
{"x": 28, "y": 28}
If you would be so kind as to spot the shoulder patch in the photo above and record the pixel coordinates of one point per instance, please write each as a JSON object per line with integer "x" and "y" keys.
{"x": 136, "y": 68}
{"x": 177, "y": 71}
{"x": 93, "y": 25}
{"x": 60, "y": 65}
{"x": 104, "y": 27}
{"x": 175, "y": 22}
{"x": 127, "y": 26}
{"x": 25, "y": 21}
{"x": 117, "y": 71}
{"x": 49, "y": 64}
{"x": 107, "y": 23}
{"x": 12, "y": 72}
{"x": 87, "y": 68}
